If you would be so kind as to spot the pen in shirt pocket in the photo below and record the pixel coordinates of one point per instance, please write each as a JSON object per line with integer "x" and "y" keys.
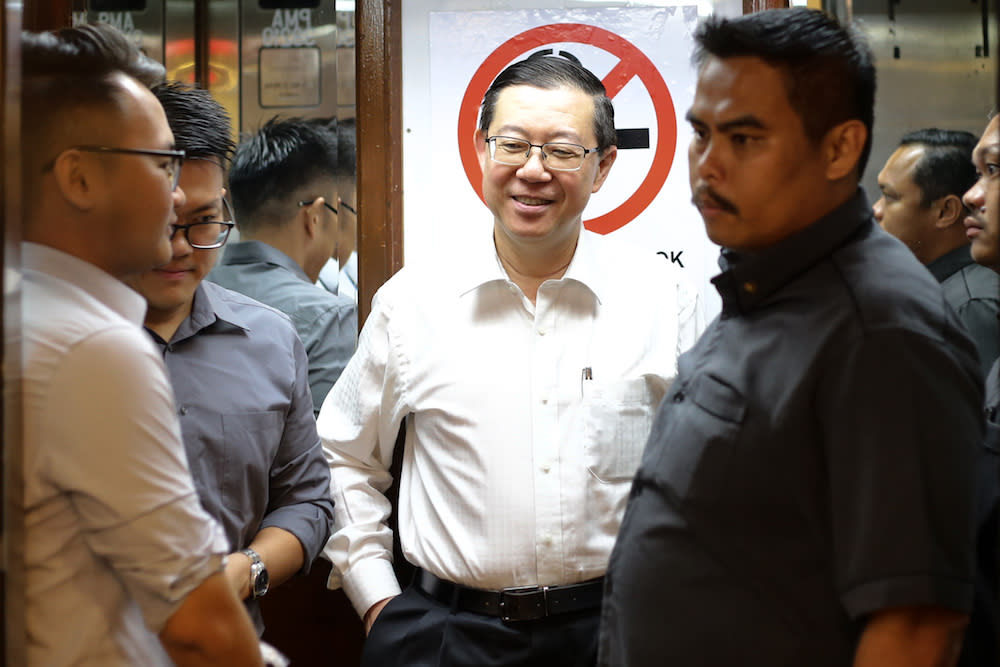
{"x": 586, "y": 375}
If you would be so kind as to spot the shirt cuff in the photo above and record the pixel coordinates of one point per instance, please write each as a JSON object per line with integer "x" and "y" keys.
{"x": 368, "y": 582}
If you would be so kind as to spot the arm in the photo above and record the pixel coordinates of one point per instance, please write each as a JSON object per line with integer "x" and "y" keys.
{"x": 358, "y": 425}
{"x": 282, "y": 555}
{"x": 330, "y": 346}
{"x": 211, "y": 627}
{"x": 911, "y": 637}
{"x": 902, "y": 427}
{"x": 299, "y": 514}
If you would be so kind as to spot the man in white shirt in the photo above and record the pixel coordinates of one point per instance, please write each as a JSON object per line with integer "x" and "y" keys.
{"x": 123, "y": 566}
{"x": 528, "y": 377}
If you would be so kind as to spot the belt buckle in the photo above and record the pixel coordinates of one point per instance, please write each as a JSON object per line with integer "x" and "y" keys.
{"x": 511, "y": 599}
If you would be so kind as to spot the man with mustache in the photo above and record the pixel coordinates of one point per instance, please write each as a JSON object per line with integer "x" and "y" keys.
{"x": 806, "y": 495}
{"x": 982, "y": 225}
{"x": 527, "y": 377}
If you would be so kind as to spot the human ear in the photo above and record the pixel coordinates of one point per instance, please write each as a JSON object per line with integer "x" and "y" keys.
{"x": 604, "y": 167}
{"x": 75, "y": 178}
{"x": 950, "y": 211}
{"x": 843, "y": 146}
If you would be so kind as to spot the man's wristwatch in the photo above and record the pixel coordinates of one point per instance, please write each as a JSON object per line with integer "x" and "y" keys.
{"x": 258, "y": 574}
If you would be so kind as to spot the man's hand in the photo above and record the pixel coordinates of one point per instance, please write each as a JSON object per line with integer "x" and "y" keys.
{"x": 238, "y": 574}
{"x": 373, "y": 613}
{"x": 911, "y": 637}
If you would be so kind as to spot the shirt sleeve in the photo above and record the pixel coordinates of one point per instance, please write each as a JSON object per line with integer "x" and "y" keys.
{"x": 335, "y": 335}
{"x": 299, "y": 499}
{"x": 903, "y": 422}
{"x": 358, "y": 425}
{"x": 122, "y": 462}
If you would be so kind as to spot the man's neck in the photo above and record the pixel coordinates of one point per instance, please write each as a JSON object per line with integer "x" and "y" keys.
{"x": 530, "y": 266}
{"x": 286, "y": 243}
{"x": 164, "y": 323}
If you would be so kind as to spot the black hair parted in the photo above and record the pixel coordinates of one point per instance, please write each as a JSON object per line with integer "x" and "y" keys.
{"x": 201, "y": 126}
{"x": 549, "y": 71}
{"x": 271, "y": 165}
{"x": 829, "y": 67}
{"x": 946, "y": 166}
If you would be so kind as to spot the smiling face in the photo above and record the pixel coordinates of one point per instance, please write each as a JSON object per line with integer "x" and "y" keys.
{"x": 756, "y": 177}
{"x": 983, "y": 199}
{"x": 535, "y": 207}
{"x": 169, "y": 289}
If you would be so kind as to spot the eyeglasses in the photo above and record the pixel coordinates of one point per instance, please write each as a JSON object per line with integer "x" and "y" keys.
{"x": 173, "y": 166}
{"x": 309, "y": 202}
{"x": 208, "y": 234}
{"x": 557, "y": 156}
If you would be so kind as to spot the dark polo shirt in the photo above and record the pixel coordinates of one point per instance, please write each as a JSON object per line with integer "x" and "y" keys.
{"x": 812, "y": 463}
{"x": 974, "y": 292}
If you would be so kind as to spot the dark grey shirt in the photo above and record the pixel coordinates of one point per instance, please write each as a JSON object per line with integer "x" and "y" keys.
{"x": 811, "y": 464}
{"x": 974, "y": 292}
{"x": 327, "y": 323}
{"x": 238, "y": 370}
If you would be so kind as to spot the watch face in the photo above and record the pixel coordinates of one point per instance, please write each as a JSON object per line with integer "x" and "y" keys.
{"x": 260, "y": 580}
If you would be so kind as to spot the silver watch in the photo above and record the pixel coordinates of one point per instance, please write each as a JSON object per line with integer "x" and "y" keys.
{"x": 258, "y": 574}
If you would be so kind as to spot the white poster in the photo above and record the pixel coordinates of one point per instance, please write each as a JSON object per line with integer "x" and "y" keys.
{"x": 643, "y": 57}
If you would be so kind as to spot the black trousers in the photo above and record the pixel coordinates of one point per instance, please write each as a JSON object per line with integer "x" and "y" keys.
{"x": 414, "y": 630}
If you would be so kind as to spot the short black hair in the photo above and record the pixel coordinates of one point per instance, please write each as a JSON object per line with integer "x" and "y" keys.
{"x": 945, "y": 168}
{"x": 548, "y": 72}
{"x": 829, "y": 69}
{"x": 201, "y": 126}
{"x": 347, "y": 150}
{"x": 70, "y": 70}
{"x": 271, "y": 166}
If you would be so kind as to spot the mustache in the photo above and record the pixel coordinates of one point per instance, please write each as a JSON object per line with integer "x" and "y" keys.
{"x": 706, "y": 193}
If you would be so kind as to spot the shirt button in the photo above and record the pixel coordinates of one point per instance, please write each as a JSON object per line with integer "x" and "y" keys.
{"x": 183, "y": 410}
{"x": 749, "y": 287}
{"x": 546, "y": 467}
{"x": 547, "y": 540}
{"x": 542, "y": 332}
{"x": 545, "y": 401}
{"x": 678, "y": 397}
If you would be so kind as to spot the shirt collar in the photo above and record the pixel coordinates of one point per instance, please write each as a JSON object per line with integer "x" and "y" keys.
{"x": 747, "y": 279}
{"x": 251, "y": 252}
{"x": 209, "y": 310}
{"x": 100, "y": 285}
{"x": 482, "y": 264}
{"x": 951, "y": 262}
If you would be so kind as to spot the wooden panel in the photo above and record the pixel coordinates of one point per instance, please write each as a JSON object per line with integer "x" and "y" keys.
{"x": 380, "y": 161}
{"x": 42, "y": 15}
{"x": 751, "y": 6}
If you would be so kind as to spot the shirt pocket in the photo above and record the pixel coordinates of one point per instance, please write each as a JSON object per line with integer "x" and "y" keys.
{"x": 251, "y": 442}
{"x": 617, "y": 420}
{"x": 697, "y": 437}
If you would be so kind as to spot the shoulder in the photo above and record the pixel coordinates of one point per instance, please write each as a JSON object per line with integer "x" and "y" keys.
{"x": 259, "y": 318}
{"x": 887, "y": 287}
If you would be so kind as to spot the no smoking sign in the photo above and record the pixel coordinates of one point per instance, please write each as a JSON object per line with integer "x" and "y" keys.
{"x": 632, "y": 63}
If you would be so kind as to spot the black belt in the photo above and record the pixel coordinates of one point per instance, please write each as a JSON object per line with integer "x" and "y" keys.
{"x": 513, "y": 604}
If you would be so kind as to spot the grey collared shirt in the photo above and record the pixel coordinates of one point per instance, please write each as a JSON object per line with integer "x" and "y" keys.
{"x": 327, "y": 323}
{"x": 238, "y": 370}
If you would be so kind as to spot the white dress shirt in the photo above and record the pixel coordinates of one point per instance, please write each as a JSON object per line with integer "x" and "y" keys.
{"x": 526, "y": 421}
{"x": 115, "y": 535}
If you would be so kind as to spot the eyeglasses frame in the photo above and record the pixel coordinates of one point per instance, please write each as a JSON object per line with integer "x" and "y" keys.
{"x": 178, "y": 155}
{"x": 174, "y": 228}
{"x": 491, "y": 142}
